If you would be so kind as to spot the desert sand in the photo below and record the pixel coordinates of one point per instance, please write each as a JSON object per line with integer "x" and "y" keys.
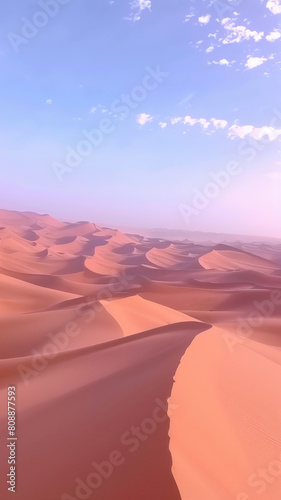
{"x": 145, "y": 369}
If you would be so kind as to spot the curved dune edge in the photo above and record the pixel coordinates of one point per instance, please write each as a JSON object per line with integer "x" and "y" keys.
{"x": 230, "y": 260}
{"x": 225, "y": 418}
{"x": 91, "y": 400}
{"x": 135, "y": 314}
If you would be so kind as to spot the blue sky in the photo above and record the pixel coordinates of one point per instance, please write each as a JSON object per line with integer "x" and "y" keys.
{"x": 65, "y": 63}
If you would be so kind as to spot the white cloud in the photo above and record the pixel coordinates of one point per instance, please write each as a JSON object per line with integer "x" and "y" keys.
{"x": 163, "y": 124}
{"x": 219, "y": 123}
{"x": 270, "y": 132}
{"x": 93, "y": 110}
{"x": 210, "y": 49}
{"x": 137, "y": 6}
{"x": 49, "y": 101}
{"x": 256, "y": 132}
{"x": 223, "y": 62}
{"x": 234, "y": 131}
{"x": 204, "y": 19}
{"x": 212, "y": 35}
{"x": 143, "y": 118}
{"x": 237, "y": 131}
{"x": 253, "y": 62}
{"x": 274, "y": 35}
{"x": 225, "y": 20}
{"x": 189, "y": 121}
{"x": 205, "y": 124}
{"x": 188, "y": 17}
{"x": 274, "y": 6}
{"x": 237, "y": 34}
{"x": 176, "y": 120}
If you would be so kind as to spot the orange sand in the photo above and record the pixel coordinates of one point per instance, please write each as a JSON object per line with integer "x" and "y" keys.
{"x": 158, "y": 359}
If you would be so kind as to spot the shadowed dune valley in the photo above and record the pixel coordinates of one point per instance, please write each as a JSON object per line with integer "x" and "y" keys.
{"x": 137, "y": 367}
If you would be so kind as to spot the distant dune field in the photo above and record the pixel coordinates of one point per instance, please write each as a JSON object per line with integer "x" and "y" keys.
{"x": 145, "y": 369}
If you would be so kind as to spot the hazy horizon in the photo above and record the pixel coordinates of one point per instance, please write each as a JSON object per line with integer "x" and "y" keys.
{"x": 157, "y": 232}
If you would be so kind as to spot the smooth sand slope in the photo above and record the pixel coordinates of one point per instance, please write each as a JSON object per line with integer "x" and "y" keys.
{"x": 144, "y": 368}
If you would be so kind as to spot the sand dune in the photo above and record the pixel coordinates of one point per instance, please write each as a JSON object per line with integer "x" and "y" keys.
{"x": 145, "y": 368}
{"x": 135, "y": 314}
{"x": 221, "y": 441}
{"x": 230, "y": 260}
